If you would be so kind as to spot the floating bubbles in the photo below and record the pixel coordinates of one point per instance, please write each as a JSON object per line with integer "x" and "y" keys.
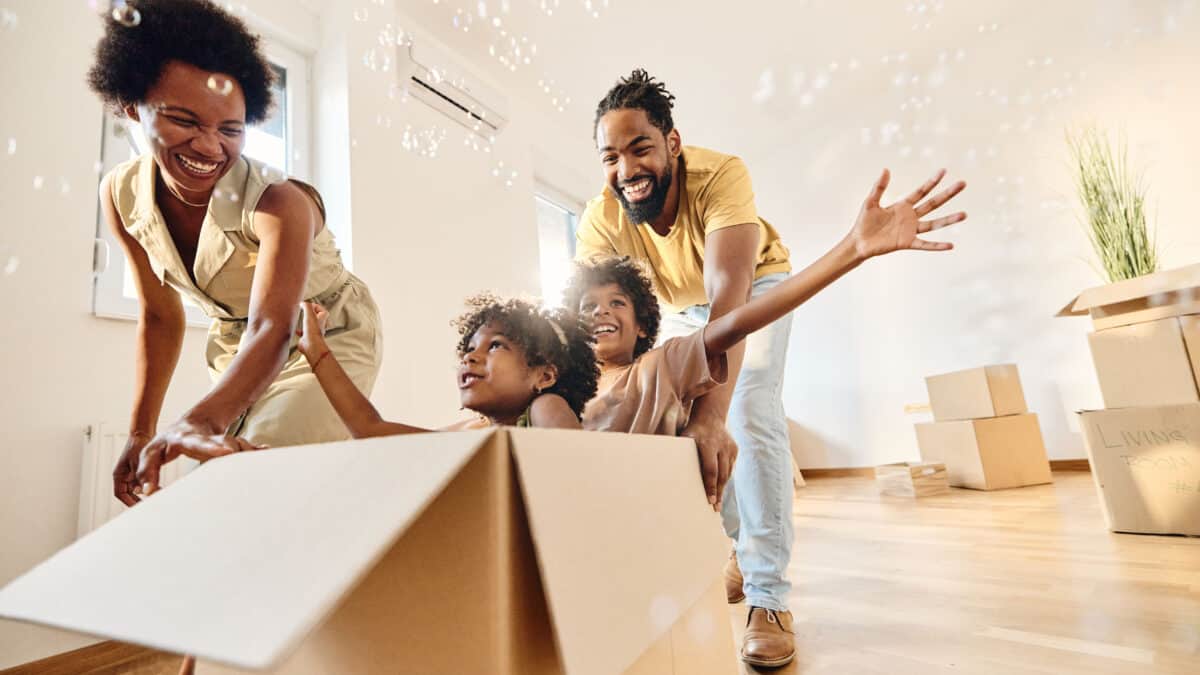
{"x": 360, "y": 14}
{"x": 38, "y": 181}
{"x": 10, "y": 267}
{"x": 766, "y": 87}
{"x": 12, "y": 146}
{"x": 806, "y": 99}
{"x": 64, "y": 187}
{"x": 97, "y": 167}
{"x": 8, "y": 19}
{"x": 664, "y": 612}
{"x": 125, "y": 15}
{"x": 220, "y": 85}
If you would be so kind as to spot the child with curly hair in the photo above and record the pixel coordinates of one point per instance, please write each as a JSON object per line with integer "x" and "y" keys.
{"x": 519, "y": 365}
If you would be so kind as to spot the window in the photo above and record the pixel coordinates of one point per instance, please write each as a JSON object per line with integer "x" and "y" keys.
{"x": 281, "y": 141}
{"x": 557, "y": 219}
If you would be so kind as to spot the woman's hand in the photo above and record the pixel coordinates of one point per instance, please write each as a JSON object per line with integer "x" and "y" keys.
{"x": 312, "y": 334}
{"x": 198, "y": 441}
{"x": 125, "y": 483}
{"x": 880, "y": 230}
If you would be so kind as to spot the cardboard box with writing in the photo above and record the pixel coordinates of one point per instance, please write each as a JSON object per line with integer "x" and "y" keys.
{"x": 1146, "y": 344}
{"x": 987, "y": 454}
{"x": 1146, "y": 465}
{"x": 912, "y": 479}
{"x": 975, "y": 393}
{"x": 498, "y": 551}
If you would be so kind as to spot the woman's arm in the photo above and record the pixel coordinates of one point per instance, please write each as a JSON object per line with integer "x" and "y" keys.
{"x": 877, "y": 231}
{"x": 159, "y": 340}
{"x": 286, "y": 220}
{"x": 359, "y": 415}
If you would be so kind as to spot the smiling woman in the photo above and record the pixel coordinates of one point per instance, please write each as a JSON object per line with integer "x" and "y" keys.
{"x": 246, "y": 244}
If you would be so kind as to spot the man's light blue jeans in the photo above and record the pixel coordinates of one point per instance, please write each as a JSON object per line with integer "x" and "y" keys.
{"x": 757, "y": 508}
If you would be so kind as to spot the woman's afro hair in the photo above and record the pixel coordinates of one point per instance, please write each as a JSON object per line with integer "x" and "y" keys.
{"x": 631, "y": 276}
{"x": 130, "y": 59}
{"x": 568, "y": 348}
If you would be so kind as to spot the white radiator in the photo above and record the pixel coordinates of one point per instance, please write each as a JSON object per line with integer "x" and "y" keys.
{"x": 102, "y": 446}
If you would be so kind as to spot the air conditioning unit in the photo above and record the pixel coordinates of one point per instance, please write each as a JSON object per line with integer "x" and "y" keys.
{"x": 436, "y": 78}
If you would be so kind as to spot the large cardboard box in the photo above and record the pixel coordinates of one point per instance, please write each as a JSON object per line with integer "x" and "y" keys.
{"x": 1146, "y": 464}
{"x": 499, "y": 551}
{"x": 1146, "y": 344}
{"x": 990, "y": 391}
{"x": 987, "y": 454}
{"x": 1152, "y": 363}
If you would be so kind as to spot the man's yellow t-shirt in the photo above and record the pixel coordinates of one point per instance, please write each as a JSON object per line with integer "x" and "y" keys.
{"x": 715, "y": 193}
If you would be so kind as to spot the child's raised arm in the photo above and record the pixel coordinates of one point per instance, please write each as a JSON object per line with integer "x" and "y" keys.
{"x": 877, "y": 231}
{"x": 356, "y": 410}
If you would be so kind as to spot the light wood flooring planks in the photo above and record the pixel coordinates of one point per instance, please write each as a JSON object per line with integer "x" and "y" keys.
{"x": 1013, "y": 581}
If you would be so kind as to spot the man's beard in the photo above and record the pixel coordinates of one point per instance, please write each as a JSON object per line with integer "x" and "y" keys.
{"x": 650, "y": 208}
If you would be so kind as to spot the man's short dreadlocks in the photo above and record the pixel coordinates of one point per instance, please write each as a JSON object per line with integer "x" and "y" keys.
{"x": 642, "y": 92}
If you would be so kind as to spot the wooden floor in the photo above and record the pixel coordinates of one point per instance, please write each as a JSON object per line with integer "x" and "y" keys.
{"x": 1012, "y": 581}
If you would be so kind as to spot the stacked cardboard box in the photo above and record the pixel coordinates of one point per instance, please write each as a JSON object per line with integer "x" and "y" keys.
{"x": 982, "y": 430}
{"x": 1144, "y": 447}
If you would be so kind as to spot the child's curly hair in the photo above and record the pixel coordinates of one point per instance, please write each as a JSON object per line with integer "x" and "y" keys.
{"x": 130, "y": 59}
{"x": 631, "y": 276}
{"x": 639, "y": 91}
{"x": 556, "y": 338}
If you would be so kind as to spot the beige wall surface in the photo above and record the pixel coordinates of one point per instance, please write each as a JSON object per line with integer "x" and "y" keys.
{"x": 816, "y": 95}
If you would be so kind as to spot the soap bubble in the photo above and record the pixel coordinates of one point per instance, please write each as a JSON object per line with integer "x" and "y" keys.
{"x": 8, "y": 19}
{"x": 664, "y": 612}
{"x": 12, "y": 146}
{"x": 220, "y": 85}
{"x": 125, "y": 15}
{"x": 360, "y": 14}
{"x": 10, "y": 268}
{"x": 38, "y": 181}
{"x": 701, "y": 627}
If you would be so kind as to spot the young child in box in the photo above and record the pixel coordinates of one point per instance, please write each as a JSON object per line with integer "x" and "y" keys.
{"x": 519, "y": 365}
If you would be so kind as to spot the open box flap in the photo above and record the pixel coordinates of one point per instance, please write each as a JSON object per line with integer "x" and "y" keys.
{"x": 193, "y": 569}
{"x": 593, "y": 506}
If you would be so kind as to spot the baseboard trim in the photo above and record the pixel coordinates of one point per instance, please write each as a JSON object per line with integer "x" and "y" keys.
{"x": 1070, "y": 465}
{"x": 869, "y": 471}
{"x": 103, "y": 657}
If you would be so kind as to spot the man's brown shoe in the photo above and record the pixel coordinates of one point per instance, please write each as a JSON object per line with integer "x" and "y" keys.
{"x": 769, "y": 640}
{"x": 733, "y": 580}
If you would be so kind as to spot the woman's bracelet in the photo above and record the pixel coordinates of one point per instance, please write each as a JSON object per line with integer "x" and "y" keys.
{"x": 314, "y": 365}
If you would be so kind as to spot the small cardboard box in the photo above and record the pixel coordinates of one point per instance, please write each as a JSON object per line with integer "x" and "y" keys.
{"x": 1146, "y": 298}
{"x": 975, "y": 393}
{"x": 1146, "y": 465}
{"x": 496, "y": 551}
{"x": 912, "y": 479}
{"x": 1152, "y": 363}
{"x": 987, "y": 454}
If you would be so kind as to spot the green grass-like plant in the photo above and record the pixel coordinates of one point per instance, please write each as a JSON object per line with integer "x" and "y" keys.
{"x": 1114, "y": 200}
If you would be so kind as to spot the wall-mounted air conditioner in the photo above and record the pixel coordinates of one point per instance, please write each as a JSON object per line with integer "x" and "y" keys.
{"x": 435, "y": 77}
